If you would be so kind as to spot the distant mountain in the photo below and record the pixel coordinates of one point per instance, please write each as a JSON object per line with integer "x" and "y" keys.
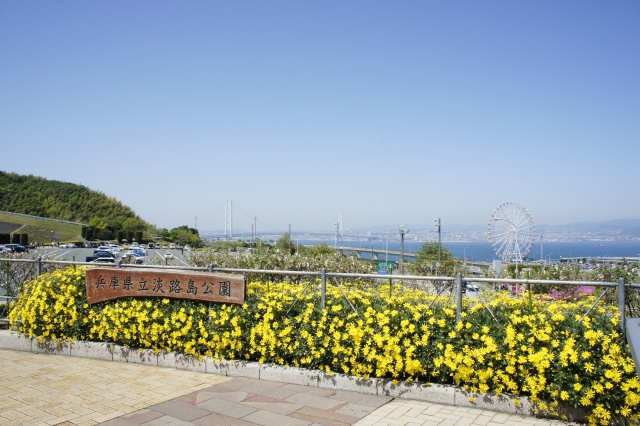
{"x": 629, "y": 227}
{"x": 455, "y": 227}
{"x": 623, "y": 226}
{"x": 58, "y": 200}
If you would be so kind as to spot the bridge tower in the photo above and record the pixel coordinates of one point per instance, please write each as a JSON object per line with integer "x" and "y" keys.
{"x": 228, "y": 219}
{"x": 340, "y": 229}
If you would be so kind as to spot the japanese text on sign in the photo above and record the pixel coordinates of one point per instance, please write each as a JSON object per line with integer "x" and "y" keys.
{"x": 110, "y": 283}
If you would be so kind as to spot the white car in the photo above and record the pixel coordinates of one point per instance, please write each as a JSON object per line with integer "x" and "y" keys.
{"x": 187, "y": 247}
{"x": 172, "y": 246}
{"x": 168, "y": 255}
{"x": 135, "y": 244}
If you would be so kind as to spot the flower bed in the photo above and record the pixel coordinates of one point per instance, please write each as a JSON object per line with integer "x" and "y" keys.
{"x": 535, "y": 348}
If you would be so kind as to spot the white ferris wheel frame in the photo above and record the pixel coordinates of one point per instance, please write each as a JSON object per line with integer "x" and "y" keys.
{"x": 511, "y": 231}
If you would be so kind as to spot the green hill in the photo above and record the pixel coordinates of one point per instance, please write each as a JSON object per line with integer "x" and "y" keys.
{"x": 39, "y": 230}
{"x": 58, "y": 200}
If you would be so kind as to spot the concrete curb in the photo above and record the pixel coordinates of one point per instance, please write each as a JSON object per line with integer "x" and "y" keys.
{"x": 439, "y": 394}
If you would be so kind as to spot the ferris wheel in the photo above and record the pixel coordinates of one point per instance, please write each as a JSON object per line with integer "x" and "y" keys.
{"x": 512, "y": 231}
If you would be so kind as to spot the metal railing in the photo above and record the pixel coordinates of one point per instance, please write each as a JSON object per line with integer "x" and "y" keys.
{"x": 324, "y": 274}
{"x": 632, "y": 335}
{"x": 43, "y": 218}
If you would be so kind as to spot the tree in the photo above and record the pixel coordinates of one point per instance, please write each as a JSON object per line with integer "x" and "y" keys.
{"x": 316, "y": 251}
{"x": 104, "y": 234}
{"x": 185, "y": 235}
{"x": 98, "y": 223}
{"x": 132, "y": 224}
{"x": 428, "y": 252}
{"x": 284, "y": 244}
{"x": 427, "y": 259}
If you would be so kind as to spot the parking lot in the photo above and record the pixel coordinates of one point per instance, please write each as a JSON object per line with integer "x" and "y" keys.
{"x": 154, "y": 256}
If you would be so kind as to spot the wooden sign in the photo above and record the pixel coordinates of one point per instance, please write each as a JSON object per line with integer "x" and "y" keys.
{"x": 115, "y": 283}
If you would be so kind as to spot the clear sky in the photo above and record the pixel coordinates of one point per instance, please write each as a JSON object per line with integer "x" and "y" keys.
{"x": 387, "y": 111}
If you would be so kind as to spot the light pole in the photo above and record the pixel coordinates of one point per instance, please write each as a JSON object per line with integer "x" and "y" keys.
{"x": 402, "y": 233}
{"x": 386, "y": 256}
{"x": 437, "y": 221}
{"x": 464, "y": 254}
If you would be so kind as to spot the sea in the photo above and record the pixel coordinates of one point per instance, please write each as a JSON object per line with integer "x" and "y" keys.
{"x": 482, "y": 251}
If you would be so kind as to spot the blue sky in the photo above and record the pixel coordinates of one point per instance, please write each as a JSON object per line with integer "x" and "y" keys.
{"x": 389, "y": 112}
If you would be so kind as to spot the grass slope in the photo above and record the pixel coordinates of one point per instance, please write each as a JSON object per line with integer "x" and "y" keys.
{"x": 42, "y": 230}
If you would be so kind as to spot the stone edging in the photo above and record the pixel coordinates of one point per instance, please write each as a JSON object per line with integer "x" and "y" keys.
{"x": 440, "y": 394}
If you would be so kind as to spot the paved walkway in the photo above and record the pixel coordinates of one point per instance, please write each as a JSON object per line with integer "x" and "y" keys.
{"x": 39, "y": 389}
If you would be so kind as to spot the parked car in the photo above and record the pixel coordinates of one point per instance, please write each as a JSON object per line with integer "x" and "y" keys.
{"x": 102, "y": 260}
{"x": 172, "y": 246}
{"x": 16, "y": 248}
{"x": 135, "y": 244}
{"x": 180, "y": 246}
{"x": 165, "y": 246}
{"x": 168, "y": 255}
{"x": 151, "y": 245}
{"x": 158, "y": 245}
{"x": 187, "y": 247}
{"x": 103, "y": 253}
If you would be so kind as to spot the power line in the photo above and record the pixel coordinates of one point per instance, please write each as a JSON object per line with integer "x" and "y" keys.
{"x": 250, "y": 216}
{"x": 215, "y": 211}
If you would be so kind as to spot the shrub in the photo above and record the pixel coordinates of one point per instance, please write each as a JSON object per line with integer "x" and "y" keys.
{"x": 535, "y": 348}
{"x": 104, "y": 234}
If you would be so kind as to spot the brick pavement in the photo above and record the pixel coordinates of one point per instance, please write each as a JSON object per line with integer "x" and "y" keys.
{"x": 40, "y": 389}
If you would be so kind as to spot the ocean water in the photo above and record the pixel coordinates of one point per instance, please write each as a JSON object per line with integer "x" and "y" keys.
{"x": 484, "y": 252}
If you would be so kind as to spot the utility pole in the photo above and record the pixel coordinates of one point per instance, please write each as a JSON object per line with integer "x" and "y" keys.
{"x": 255, "y": 228}
{"x": 402, "y": 232}
{"x": 336, "y": 228}
{"x": 253, "y": 236}
{"x": 437, "y": 220}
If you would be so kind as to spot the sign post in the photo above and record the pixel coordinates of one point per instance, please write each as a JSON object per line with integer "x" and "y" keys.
{"x": 385, "y": 268}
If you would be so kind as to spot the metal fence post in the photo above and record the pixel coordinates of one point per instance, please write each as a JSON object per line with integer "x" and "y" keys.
{"x": 211, "y": 267}
{"x": 38, "y": 267}
{"x": 621, "y": 309}
{"x": 323, "y": 288}
{"x": 459, "y": 297}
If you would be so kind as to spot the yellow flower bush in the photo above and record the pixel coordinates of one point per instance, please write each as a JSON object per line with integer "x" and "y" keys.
{"x": 532, "y": 348}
